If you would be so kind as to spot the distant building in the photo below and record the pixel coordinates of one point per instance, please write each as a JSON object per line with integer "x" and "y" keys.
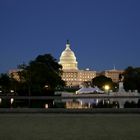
{"x": 71, "y": 74}
{"x": 15, "y": 74}
{"x": 113, "y": 74}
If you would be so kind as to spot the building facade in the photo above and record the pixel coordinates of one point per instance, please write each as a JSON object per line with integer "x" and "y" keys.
{"x": 15, "y": 74}
{"x": 71, "y": 74}
{"x": 113, "y": 74}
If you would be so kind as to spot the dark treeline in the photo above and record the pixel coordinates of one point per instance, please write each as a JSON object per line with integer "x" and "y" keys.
{"x": 132, "y": 78}
{"x": 40, "y": 77}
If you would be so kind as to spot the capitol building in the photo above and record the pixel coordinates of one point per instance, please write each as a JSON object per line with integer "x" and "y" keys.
{"x": 71, "y": 73}
{"x": 73, "y": 76}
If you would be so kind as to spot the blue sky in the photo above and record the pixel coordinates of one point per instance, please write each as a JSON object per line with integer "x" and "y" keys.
{"x": 102, "y": 33}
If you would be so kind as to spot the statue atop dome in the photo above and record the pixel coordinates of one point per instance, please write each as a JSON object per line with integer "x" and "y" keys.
{"x": 68, "y": 42}
{"x": 67, "y": 45}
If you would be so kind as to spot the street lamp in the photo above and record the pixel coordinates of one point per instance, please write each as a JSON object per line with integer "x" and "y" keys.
{"x": 12, "y": 91}
{"x": 0, "y": 100}
{"x": 11, "y": 100}
{"x": 106, "y": 87}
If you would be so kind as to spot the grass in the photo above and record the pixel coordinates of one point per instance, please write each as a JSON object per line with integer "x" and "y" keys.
{"x": 69, "y": 126}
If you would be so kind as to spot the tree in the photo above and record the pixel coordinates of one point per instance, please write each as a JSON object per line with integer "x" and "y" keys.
{"x": 101, "y": 81}
{"x": 132, "y": 78}
{"x": 5, "y": 82}
{"x": 8, "y": 83}
{"x": 42, "y": 74}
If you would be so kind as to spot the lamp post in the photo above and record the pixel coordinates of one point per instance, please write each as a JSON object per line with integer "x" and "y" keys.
{"x": 106, "y": 87}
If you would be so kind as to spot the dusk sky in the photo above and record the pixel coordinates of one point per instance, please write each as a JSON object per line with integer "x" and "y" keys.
{"x": 102, "y": 33}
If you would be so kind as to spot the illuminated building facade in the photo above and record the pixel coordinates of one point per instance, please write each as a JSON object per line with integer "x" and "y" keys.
{"x": 113, "y": 74}
{"x": 15, "y": 74}
{"x": 68, "y": 59}
{"x": 71, "y": 74}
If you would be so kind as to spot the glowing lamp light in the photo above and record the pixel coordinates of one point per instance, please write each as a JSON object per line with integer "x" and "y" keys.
{"x": 0, "y": 100}
{"x": 46, "y": 106}
{"x": 46, "y": 86}
{"x": 107, "y": 87}
{"x": 12, "y": 100}
{"x": 12, "y": 91}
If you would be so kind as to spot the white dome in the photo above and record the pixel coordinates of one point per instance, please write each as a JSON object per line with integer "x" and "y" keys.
{"x": 68, "y": 59}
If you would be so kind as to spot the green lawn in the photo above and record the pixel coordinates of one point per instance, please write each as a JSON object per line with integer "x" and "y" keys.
{"x": 69, "y": 127}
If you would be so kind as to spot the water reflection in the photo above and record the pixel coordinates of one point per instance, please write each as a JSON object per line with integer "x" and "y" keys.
{"x": 70, "y": 103}
{"x": 102, "y": 103}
